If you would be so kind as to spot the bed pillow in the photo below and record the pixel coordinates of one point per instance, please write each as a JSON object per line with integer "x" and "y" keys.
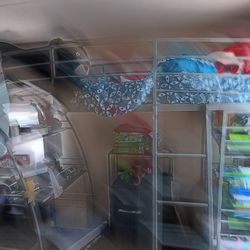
{"x": 238, "y": 50}
{"x": 186, "y": 65}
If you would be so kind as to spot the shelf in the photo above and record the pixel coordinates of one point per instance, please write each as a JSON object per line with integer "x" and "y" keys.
{"x": 66, "y": 182}
{"x": 17, "y": 194}
{"x": 230, "y": 107}
{"x": 33, "y": 171}
{"x": 183, "y": 203}
{"x": 229, "y": 210}
{"x": 72, "y": 161}
{"x": 238, "y": 141}
{"x": 237, "y": 127}
{"x": 179, "y": 107}
{"x": 45, "y": 132}
{"x": 35, "y": 134}
{"x": 73, "y": 239}
{"x": 131, "y": 155}
{"x": 233, "y": 235}
{"x": 237, "y": 156}
{"x": 23, "y": 66}
{"x": 191, "y": 155}
{"x": 228, "y": 231}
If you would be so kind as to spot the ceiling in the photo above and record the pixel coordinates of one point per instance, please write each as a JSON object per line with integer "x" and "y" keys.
{"x": 25, "y": 21}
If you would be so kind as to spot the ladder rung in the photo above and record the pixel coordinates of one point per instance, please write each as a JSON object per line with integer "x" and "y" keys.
{"x": 181, "y": 155}
{"x": 183, "y": 203}
{"x": 234, "y": 234}
{"x": 225, "y": 210}
{"x": 237, "y": 156}
{"x": 178, "y": 107}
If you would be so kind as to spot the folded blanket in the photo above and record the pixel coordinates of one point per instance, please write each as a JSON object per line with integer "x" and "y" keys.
{"x": 238, "y": 224}
{"x": 241, "y": 137}
{"x": 238, "y": 143}
{"x": 237, "y": 171}
{"x": 243, "y": 213}
{"x": 240, "y": 197}
{"x": 240, "y": 188}
{"x": 234, "y": 244}
{"x": 241, "y": 201}
{"x": 241, "y": 183}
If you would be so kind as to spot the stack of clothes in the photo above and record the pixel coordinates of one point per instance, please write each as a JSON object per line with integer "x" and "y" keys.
{"x": 239, "y": 137}
{"x": 134, "y": 144}
{"x": 132, "y": 140}
{"x": 239, "y": 196}
{"x": 235, "y": 243}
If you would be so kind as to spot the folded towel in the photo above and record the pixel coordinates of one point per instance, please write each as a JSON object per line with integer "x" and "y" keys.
{"x": 237, "y": 172}
{"x": 239, "y": 137}
{"x": 236, "y": 243}
{"x": 242, "y": 213}
{"x": 238, "y": 143}
{"x": 238, "y": 224}
{"x": 240, "y": 197}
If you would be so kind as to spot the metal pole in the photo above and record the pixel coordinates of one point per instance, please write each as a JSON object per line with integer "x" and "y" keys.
{"x": 209, "y": 178}
{"x": 222, "y": 161}
{"x": 155, "y": 149}
{"x": 52, "y": 65}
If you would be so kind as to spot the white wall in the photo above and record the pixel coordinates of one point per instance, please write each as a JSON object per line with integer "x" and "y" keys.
{"x": 180, "y": 131}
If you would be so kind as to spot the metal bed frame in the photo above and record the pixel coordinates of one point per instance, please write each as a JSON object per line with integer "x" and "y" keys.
{"x": 213, "y": 240}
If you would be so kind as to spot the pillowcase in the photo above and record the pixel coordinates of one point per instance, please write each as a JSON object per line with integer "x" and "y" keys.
{"x": 186, "y": 65}
{"x": 238, "y": 50}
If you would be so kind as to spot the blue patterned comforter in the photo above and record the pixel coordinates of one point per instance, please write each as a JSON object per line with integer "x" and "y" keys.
{"x": 200, "y": 88}
{"x": 179, "y": 81}
{"x": 107, "y": 97}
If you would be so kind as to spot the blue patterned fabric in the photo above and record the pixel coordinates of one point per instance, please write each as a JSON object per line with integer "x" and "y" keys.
{"x": 186, "y": 64}
{"x": 203, "y": 88}
{"x": 108, "y": 98}
{"x": 195, "y": 81}
{"x": 183, "y": 81}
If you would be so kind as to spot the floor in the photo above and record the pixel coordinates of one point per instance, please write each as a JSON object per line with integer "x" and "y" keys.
{"x": 123, "y": 239}
{"x": 108, "y": 243}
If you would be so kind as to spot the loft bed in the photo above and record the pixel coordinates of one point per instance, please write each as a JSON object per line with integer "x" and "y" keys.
{"x": 189, "y": 77}
{"x": 164, "y": 78}
{"x": 185, "y": 78}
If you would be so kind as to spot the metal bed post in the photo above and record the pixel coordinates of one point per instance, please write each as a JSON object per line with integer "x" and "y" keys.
{"x": 209, "y": 178}
{"x": 222, "y": 161}
{"x": 155, "y": 149}
{"x": 52, "y": 64}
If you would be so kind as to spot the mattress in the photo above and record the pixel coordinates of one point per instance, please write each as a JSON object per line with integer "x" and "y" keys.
{"x": 172, "y": 88}
{"x": 202, "y": 88}
{"x": 179, "y": 81}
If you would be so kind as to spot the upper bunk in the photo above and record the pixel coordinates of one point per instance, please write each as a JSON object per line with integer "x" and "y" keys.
{"x": 115, "y": 77}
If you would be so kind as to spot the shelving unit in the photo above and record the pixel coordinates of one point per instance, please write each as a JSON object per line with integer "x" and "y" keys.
{"x": 51, "y": 176}
{"x": 225, "y": 156}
